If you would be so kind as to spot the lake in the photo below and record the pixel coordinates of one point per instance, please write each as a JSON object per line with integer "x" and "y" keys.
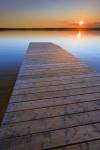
{"x": 13, "y": 45}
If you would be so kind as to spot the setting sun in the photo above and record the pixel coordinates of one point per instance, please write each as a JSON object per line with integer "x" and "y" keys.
{"x": 81, "y": 22}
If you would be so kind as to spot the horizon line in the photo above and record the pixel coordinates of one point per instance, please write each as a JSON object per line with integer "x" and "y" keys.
{"x": 52, "y": 28}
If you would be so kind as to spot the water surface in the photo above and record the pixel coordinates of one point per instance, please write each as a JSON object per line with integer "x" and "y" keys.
{"x": 13, "y": 45}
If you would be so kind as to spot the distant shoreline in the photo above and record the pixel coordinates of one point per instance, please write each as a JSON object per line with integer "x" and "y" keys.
{"x": 49, "y": 29}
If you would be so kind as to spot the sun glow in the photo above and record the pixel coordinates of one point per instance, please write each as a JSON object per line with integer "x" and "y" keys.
{"x": 81, "y": 22}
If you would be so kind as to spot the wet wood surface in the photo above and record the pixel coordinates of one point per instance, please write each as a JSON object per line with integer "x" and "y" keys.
{"x": 55, "y": 103}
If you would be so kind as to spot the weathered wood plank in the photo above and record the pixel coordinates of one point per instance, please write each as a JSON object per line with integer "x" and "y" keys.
{"x": 54, "y": 94}
{"x": 51, "y": 79}
{"x": 50, "y": 65}
{"x": 49, "y": 124}
{"x": 62, "y": 68}
{"x": 52, "y": 102}
{"x": 51, "y": 72}
{"x": 17, "y": 144}
{"x": 55, "y": 138}
{"x": 26, "y": 114}
{"x": 55, "y": 87}
{"x": 34, "y": 84}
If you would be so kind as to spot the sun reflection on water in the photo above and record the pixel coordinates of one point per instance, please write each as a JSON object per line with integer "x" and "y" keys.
{"x": 79, "y": 35}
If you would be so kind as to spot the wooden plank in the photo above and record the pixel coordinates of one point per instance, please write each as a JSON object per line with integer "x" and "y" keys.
{"x": 52, "y": 102}
{"x": 62, "y": 68}
{"x": 51, "y": 79}
{"x": 50, "y": 71}
{"x": 31, "y": 83}
{"x": 55, "y": 87}
{"x": 49, "y": 124}
{"x": 26, "y": 113}
{"x": 54, "y": 94}
{"x": 55, "y": 103}
{"x": 55, "y": 138}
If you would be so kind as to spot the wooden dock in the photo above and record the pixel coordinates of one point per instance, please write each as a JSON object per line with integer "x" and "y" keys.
{"x": 55, "y": 103}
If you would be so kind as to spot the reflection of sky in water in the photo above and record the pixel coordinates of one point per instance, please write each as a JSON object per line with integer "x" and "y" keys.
{"x": 84, "y": 44}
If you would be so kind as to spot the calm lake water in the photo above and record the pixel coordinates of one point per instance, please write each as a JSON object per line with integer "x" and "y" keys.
{"x": 13, "y": 45}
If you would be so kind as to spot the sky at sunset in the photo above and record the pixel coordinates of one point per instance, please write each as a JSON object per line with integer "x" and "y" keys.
{"x": 49, "y": 13}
